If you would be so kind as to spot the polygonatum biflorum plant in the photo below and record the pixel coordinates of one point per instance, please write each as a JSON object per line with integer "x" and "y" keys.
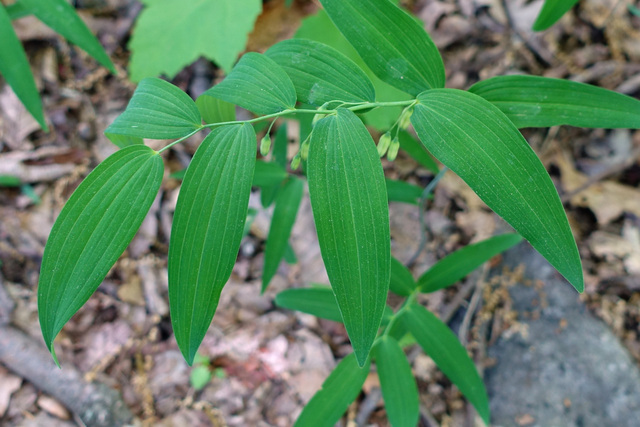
{"x": 474, "y": 133}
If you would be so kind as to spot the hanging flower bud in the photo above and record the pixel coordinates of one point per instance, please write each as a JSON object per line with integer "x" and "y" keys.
{"x": 393, "y": 149}
{"x": 405, "y": 119}
{"x": 295, "y": 162}
{"x": 317, "y": 118}
{"x": 383, "y": 144}
{"x": 304, "y": 149}
{"x": 265, "y": 145}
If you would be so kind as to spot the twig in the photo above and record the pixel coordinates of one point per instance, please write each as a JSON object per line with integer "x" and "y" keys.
{"x": 427, "y": 417}
{"x": 95, "y": 404}
{"x": 611, "y": 170}
{"x": 473, "y": 305}
{"x": 368, "y": 405}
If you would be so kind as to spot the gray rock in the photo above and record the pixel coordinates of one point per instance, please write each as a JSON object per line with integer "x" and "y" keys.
{"x": 577, "y": 374}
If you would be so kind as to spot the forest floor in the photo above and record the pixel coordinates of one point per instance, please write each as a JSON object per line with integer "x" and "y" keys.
{"x": 268, "y": 362}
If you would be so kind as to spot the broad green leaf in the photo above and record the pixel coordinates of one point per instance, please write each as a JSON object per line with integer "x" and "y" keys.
{"x": 62, "y": 17}
{"x": 157, "y": 110}
{"x": 458, "y": 264}
{"x": 391, "y": 43}
{"x": 257, "y": 83}
{"x": 349, "y": 203}
{"x": 214, "y": 110}
{"x": 93, "y": 229}
{"x": 318, "y": 301}
{"x": 207, "y": 229}
{"x": 338, "y": 391}
{"x": 551, "y": 12}
{"x": 268, "y": 174}
{"x": 478, "y": 142}
{"x": 437, "y": 340}
{"x": 15, "y": 69}
{"x": 532, "y": 101}
{"x": 170, "y": 35}
{"x": 400, "y": 191}
{"x": 417, "y": 151}
{"x": 123, "y": 141}
{"x": 319, "y": 27}
{"x": 320, "y": 73}
{"x": 284, "y": 216}
{"x": 402, "y": 282}
{"x": 399, "y": 388}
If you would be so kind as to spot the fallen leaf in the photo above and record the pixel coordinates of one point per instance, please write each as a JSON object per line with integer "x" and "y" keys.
{"x": 9, "y": 384}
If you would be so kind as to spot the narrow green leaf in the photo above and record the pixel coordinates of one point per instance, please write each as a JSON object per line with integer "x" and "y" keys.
{"x": 62, "y": 17}
{"x": 402, "y": 282}
{"x": 458, "y": 264}
{"x": 170, "y": 34}
{"x": 214, "y": 110}
{"x": 551, "y": 12}
{"x": 123, "y": 141}
{"x": 399, "y": 388}
{"x": 319, "y": 27}
{"x": 391, "y": 43}
{"x": 320, "y": 73}
{"x": 417, "y": 151}
{"x": 18, "y": 10}
{"x": 268, "y": 174}
{"x": 279, "y": 156}
{"x": 318, "y": 301}
{"x": 532, "y": 101}
{"x": 478, "y": 142}
{"x": 15, "y": 69}
{"x": 258, "y": 84}
{"x": 93, "y": 229}
{"x": 207, "y": 229}
{"x": 284, "y": 216}
{"x": 437, "y": 340}
{"x": 400, "y": 191}
{"x": 157, "y": 110}
{"x": 349, "y": 203}
{"x": 290, "y": 255}
{"x": 9, "y": 181}
{"x": 338, "y": 391}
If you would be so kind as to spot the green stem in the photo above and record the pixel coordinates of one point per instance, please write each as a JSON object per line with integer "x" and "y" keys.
{"x": 361, "y": 106}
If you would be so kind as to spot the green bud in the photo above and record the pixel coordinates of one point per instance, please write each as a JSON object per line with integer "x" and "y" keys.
{"x": 317, "y": 118}
{"x": 295, "y": 162}
{"x": 265, "y": 145}
{"x": 304, "y": 149}
{"x": 383, "y": 144}
{"x": 393, "y": 149}
{"x": 405, "y": 119}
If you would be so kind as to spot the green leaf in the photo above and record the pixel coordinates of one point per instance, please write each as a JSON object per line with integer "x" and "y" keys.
{"x": 18, "y": 10}
{"x": 290, "y": 255}
{"x": 476, "y": 141}
{"x": 200, "y": 377}
{"x": 391, "y": 43}
{"x": 62, "y": 17}
{"x": 93, "y": 229}
{"x": 268, "y": 174}
{"x": 123, "y": 141}
{"x": 214, "y": 110}
{"x": 170, "y": 35}
{"x": 437, "y": 340}
{"x": 417, "y": 151}
{"x": 400, "y": 191}
{"x": 319, "y": 27}
{"x": 157, "y": 110}
{"x": 207, "y": 229}
{"x": 320, "y": 73}
{"x": 532, "y": 101}
{"x": 15, "y": 69}
{"x": 551, "y": 12}
{"x": 284, "y": 216}
{"x": 257, "y": 83}
{"x": 349, "y": 203}
{"x": 9, "y": 181}
{"x": 338, "y": 391}
{"x": 318, "y": 301}
{"x": 399, "y": 388}
{"x": 458, "y": 264}
{"x": 402, "y": 282}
